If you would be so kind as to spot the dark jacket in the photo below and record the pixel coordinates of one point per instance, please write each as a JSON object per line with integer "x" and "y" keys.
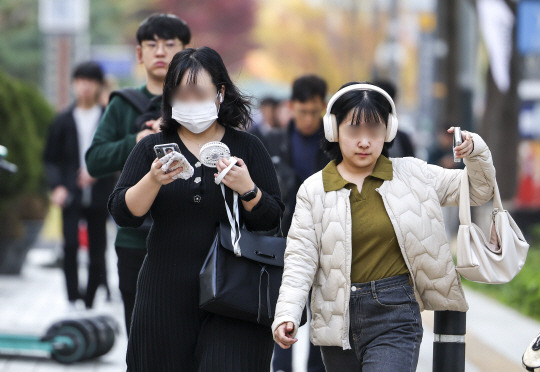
{"x": 62, "y": 162}
{"x": 279, "y": 145}
{"x": 402, "y": 146}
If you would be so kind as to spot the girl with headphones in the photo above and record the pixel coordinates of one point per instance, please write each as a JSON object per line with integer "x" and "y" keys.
{"x": 368, "y": 239}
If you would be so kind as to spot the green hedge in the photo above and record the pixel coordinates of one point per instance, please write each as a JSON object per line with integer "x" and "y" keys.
{"x": 523, "y": 292}
{"x": 25, "y": 116}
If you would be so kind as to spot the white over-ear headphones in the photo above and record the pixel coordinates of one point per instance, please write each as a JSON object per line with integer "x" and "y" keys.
{"x": 330, "y": 122}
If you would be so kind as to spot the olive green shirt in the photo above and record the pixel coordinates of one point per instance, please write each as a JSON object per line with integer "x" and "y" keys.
{"x": 375, "y": 250}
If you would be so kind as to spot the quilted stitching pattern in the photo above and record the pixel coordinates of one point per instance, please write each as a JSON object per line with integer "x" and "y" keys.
{"x": 318, "y": 251}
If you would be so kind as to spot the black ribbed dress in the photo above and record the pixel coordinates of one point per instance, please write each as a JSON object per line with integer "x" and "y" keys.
{"x": 169, "y": 332}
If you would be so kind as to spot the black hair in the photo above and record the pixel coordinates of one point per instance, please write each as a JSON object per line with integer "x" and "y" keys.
{"x": 388, "y": 87}
{"x": 367, "y": 106}
{"x": 235, "y": 109}
{"x": 163, "y": 26}
{"x": 308, "y": 87}
{"x": 89, "y": 70}
{"x": 269, "y": 101}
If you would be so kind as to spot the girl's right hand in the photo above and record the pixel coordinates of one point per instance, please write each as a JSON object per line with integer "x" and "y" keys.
{"x": 283, "y": 335}
{"x": 159, "y": 176}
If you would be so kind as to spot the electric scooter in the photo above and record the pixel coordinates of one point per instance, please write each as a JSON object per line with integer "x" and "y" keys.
{"x": 66, "y": 341}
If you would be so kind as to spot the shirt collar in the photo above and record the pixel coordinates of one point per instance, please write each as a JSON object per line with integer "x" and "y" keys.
{"x": 333, "y": 181}
{"x": 148, "y": 93}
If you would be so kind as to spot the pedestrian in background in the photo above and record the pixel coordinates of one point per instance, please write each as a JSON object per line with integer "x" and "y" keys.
{"x": 81, "y": 197}
{"x": 402, "y": 146}
{"x": 125, "y": 123}
{"x": 297, "y": 154}
{"x": 266, "y": 119}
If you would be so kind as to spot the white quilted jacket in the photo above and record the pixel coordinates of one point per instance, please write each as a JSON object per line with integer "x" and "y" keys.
{"x": 319, "y": 251}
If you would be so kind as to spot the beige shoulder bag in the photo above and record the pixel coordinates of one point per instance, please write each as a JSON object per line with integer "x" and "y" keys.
{"x": 497, "y": 260}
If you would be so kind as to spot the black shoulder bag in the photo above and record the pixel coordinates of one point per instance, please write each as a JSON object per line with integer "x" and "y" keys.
{"x": 241, "y": 275}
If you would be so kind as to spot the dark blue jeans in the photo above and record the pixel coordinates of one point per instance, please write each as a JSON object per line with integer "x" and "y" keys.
{"x": 385, "y": 329}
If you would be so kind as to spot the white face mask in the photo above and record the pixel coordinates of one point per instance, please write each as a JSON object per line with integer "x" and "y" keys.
{"x": 195, "y": 116}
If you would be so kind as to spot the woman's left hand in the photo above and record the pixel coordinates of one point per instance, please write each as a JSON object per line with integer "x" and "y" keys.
{"x": 238, "y": 178}
{"x": 467, "y": 147}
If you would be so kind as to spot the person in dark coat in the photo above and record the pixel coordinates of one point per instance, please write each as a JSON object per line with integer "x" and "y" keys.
{"x": 80, "y": 196}
{"x": 402, "y": 146}
{"x": 297, "y": 154}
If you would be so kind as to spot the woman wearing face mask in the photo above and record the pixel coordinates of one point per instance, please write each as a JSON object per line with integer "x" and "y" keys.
{"x": 368, "y": 237}
{"x": 169, "y": 332}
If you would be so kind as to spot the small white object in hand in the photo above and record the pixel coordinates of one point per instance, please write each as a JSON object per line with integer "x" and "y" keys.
{"x": 170, "y": 158}
{"x": 224, "y": 172}
{"x": 210, "y": 154}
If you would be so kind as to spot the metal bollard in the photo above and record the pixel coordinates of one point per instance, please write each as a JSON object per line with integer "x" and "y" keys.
{"x": 449, "y": 341}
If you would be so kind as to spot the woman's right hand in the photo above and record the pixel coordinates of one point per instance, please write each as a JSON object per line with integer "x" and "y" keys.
{"x": 161, "y": 177}
{"x": 283, "y": 334}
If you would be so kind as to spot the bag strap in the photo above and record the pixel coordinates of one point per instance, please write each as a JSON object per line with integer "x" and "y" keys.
{"x": 280, "y": 232}
{"x": 137, "y": 99}
{"x": 234, "y": 220}
{"x": 465, "y": 201}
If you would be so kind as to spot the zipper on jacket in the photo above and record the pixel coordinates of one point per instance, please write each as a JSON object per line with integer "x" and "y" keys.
{"x": 345, "y": 335}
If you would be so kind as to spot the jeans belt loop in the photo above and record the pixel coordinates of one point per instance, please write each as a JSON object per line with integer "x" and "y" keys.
{"x": 373, "y": 291}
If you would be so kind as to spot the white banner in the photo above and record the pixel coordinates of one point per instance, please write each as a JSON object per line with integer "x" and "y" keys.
{"x": 63, "y": 16}
{"x": 496, "y": 23}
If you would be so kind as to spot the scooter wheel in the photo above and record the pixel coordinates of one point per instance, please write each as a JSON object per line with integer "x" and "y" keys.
{"x": 69, "y": 344}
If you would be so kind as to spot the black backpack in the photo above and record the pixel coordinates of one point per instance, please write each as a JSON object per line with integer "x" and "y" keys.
{"x": 148, "y": 109}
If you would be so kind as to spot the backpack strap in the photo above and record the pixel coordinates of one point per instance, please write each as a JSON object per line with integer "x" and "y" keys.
{"x": 134, "y": 97}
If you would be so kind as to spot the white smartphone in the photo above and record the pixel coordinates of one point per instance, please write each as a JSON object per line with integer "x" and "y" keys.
{"x": 457, "y": 141}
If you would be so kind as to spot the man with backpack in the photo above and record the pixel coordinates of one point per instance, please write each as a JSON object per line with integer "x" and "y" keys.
{"x": 131, "y": 115}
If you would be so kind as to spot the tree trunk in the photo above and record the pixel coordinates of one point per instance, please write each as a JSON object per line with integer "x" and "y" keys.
{"x": 500, "y": 124}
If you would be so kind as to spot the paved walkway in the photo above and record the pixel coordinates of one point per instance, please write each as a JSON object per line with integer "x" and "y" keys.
{"x": 496, "y": 335}
{"x": 33, "y": 301}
